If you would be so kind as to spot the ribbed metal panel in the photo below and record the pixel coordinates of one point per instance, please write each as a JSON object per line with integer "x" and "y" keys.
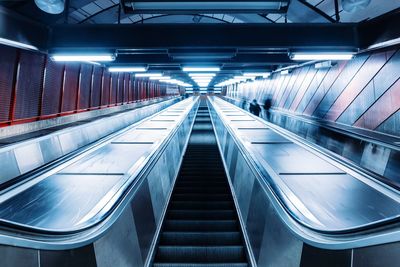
{"x": 70, "y": 87}
{"x": 121, "y": 88}
{"x": 114, "y": 88}
{"x": 7, "y": 66}
{"x": 85, "y": 86}
{"x": 96, "y": 87}
{"x": 29, "y": 85}
{"x": 105, "y": 99}
{"x": 53, "y": 81}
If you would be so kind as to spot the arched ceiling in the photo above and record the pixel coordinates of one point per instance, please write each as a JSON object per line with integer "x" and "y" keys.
{"x": 233, "y": 59}
{"x": 106, "y": 11}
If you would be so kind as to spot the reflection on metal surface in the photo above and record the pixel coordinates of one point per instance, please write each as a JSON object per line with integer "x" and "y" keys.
{"x": 340, "y": 201}
{"x": 79, "y": 193}
{"x": 113, "y": 158}
{"x": 58, "y": 202}
{"x": 317, "y": 192}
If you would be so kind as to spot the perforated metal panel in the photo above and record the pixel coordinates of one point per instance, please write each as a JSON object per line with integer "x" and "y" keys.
{"x": 114, "y": 88}
{"x": 7, "y": 66}
{"x": 96, "y": 87}
{"x": 121, "y": 88}
{"x": 85, "y": 86}
{"x": 53, "y": 81}
{"x": 29, "y": 85}
{"x": 70, "y": 87}
{"x": 105, "y": 97}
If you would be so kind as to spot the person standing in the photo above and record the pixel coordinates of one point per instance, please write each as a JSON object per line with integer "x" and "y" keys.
{"x": 267, "y": 108}
{"x": 255, "y": 108}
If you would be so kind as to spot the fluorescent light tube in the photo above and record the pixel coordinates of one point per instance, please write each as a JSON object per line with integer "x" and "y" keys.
{"x": 82, "y": 58}
{"x": 200, "y": 69}
{"x": 285, "y": 72}
{"x": 160, "y": 78}
{"x": 243, "y": 6}
{"x": 257, "y": 74}
{"x": 148, "y": 75}
{"x": 322, "y": 56}
{"x": 202, "y": 74}
{"x": 126, "y": 69}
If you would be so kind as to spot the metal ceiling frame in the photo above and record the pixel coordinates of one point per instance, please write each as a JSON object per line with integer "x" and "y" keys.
{"x": 126, "y": 4}
{"x": 318, "y": 11}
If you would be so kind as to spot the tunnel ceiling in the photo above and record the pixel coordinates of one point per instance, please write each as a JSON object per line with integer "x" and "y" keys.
{"x": 232, "y": 60}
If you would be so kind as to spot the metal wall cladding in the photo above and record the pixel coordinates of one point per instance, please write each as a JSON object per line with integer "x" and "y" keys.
{"x": 52, "y": 87}
{"x": 97, "y": 84}
{"x": 71, "y": 84}
{"x": 362, "y": 92}
{"x": 114, "y": 88}
{"x": 29, "y": 85}
{"x": 85, "y": 86}
{"x": 7, "y": 67}
{"x": 43, "y": 88}
{"x": 105, "y": 95}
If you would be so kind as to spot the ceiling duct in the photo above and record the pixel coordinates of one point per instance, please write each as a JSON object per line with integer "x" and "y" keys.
{"x": 352, "y": 6}
{"x": 51, "y": 6}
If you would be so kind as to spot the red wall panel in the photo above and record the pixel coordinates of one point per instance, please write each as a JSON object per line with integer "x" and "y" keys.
{"x": 8, "y": 62}
{"x": 114, "y": 88}
{"x": 53, "y": 84}
{"x": 29, "y": 85}
{"x": 105, "y": 96}
{"x": 71, "y": 85}
{"x": 96, "y": 87}
{"x": 32, "y": 87}
{"x": 85, "y": 86}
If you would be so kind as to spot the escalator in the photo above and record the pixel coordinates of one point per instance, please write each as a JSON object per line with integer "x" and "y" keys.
{"x": 201, "y": 226}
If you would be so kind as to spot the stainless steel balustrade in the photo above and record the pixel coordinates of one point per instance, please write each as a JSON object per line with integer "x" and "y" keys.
{"x": 111, "y": 196}
{"x": 23, "y": 157}
{"x": 380, "y": 156}
{"x": 297, "y": 204}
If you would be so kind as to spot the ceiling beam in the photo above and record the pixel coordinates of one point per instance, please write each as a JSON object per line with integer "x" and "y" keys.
{"x": 157, "y": 59}
{"x": 155, "y": 36}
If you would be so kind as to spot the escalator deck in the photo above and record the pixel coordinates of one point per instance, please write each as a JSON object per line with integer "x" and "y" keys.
{"x": 201, "y": 226}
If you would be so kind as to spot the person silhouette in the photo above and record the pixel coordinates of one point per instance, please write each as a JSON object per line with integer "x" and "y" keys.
{"x": 255, "y": 108}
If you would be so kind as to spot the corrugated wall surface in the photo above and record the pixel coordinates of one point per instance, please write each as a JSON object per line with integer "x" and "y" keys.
{"x": 363, "y": 92}
{"x": 32, "y": 87}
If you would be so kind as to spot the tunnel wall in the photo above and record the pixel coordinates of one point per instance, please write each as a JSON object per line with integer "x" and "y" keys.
{"x": 363, "y": 92}
{"x": 32, "y": 87}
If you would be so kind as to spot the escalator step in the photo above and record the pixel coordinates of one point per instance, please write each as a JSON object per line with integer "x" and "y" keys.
{"x": 200, "y": 197}
{"x": 201, "y": 214}
{"x": 201, "y": 226}
{"x": 200, "y": 265}
{"x": 202, "y": 205}
{"x": 201, "y": 238}
{"x": 216, "y": 190}
{"x": 194, "y": 254}
{"x": 202, "y": 183}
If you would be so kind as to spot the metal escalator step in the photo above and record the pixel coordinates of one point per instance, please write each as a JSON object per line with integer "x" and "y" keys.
{"x": 200, "y": 182}
{"x": 200, "y": 265}
{"x": 202, "y": 205}
{"x": 201, "y": 214}
{"x": 198, "y": 197}
{"x": 201, "y": 226}
{"x": 201, "y": 238}
{"x": 214, "y": 190}
{"x": 195, "y": 254}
